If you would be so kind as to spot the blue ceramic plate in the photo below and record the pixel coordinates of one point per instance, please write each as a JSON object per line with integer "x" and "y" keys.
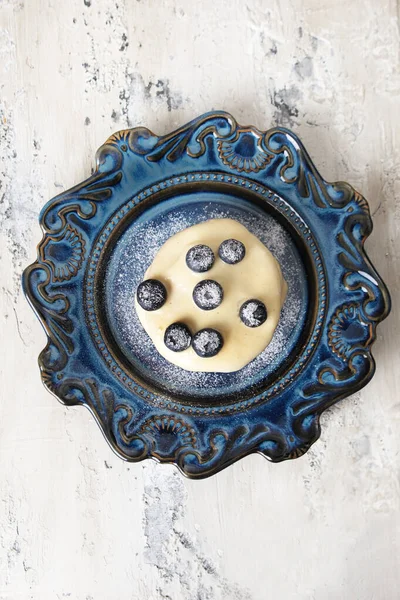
{"x": 101, "y": 236}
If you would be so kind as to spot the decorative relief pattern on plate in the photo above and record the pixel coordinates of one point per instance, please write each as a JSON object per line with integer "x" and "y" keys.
{"x": 347, "y": 330}
{"x": 162, "y": 425}
{"x": 333, "y": 222}
{"x": 245, "y": 152}
{"x": 64, "y": 253}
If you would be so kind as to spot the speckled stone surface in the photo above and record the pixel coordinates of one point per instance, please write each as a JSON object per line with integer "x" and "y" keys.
{"x": 75, "y": 521}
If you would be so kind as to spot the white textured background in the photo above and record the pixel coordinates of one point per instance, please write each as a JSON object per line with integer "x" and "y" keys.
{"x": 75, "y": 521}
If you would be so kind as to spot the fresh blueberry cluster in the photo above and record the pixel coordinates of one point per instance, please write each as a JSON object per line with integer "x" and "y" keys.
{"x": 152, "y": 295}
{"x": 201, "y": 258}
{"x": 207, "y": 295}
{"x": 206, "y": 342}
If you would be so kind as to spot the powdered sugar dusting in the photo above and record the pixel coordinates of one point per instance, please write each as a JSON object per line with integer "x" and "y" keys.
{"x": 232, "y": 251}
{"x": 200, "y": 258}
{"x": 208, "y": 294}
{"x": 136, "y": 250}
{"x": 207, "y": 342}
{"x": 177, "y": 337}
{"x": 253, "y": 313}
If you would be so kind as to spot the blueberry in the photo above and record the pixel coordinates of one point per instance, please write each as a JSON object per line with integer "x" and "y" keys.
{"x": 200, "y": 258}
{"x": 253, "y": 313}
{"x": 177, "y": 337}
{"x": 208, "y": 294}
{"x": 232, "y": 251}
{"x": 151, "y": 294}
{"x": 207, "y": 342}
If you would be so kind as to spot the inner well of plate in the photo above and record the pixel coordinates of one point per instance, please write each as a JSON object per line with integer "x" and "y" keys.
{"x": 132, "y": 249}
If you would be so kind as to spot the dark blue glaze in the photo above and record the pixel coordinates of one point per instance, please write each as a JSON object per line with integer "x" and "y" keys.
{"x": 210, "y": 166}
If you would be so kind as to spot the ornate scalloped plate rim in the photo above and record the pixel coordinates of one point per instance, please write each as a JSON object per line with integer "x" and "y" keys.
{"x": 280, "y": 162}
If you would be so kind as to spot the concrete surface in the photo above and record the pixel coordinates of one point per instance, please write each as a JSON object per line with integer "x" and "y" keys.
{"x": 75, "y": 521}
